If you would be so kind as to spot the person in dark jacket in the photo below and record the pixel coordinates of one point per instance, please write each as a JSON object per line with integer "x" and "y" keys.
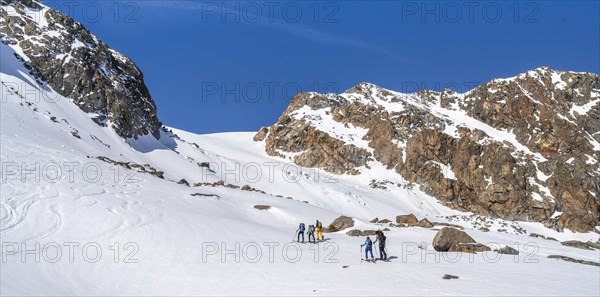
{"x": 311, "y": 233}
{"x": 381, "y": 239}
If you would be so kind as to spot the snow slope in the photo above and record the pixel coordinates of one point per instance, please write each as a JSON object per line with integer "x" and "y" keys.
{"x": 101, "y": 229}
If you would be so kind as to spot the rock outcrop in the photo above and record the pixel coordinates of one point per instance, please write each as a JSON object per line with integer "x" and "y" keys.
{"x": 522, "y": 148}
{"x": 76, "y": 64}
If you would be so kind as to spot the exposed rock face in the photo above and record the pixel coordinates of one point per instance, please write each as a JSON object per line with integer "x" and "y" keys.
{"x": 313, "y": 148}
{"x": 447, "y": 237}
{"x": 63, "y": 53}
{"x": 523, "y": 148}
{"x": 261, "y": 135}
{"x": 340, "y": 224}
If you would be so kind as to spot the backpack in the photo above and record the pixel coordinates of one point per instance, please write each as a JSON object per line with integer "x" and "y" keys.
{"x": 301, "y": 227}
{"x": 311, "y": 229}
{"x": 381, "y": 237}
{"x": 319, "y": 224}
{"x": 368, "y": 243}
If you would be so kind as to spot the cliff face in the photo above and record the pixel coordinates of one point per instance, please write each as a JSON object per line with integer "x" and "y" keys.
{"x": 76, "y": 64}
{"x": 523, "y": 148}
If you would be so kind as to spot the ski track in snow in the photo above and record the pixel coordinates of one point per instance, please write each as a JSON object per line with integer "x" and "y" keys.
{"x": 129, "y": 214}
{"x": 17, "y": 211}
{"x": 56, "y": 225}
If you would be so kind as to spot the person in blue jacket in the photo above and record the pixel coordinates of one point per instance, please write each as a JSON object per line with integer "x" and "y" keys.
{"x": 301, "y": 229}
{"x": 368, "y": 248}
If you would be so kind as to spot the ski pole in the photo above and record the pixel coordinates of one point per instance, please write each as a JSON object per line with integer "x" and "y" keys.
{"x": 294, "y": 239}
{"x": 361, "y": 253}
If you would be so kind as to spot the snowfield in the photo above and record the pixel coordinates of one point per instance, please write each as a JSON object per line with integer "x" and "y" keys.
{"x": 74, "y": 223}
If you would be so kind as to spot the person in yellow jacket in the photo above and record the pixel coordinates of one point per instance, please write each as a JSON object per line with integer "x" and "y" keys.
{"x": 319, "y": 232}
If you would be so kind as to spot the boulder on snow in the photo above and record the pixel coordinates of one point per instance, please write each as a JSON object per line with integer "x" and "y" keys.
{"x": 369, "y": 233}
{"x": 569, "y": 259}
{"x": 449, "y": 225}
{"x": 449, "y": 276}
{"x": 356, "y": 232}
{"x": 537, "y": 235}
{"x": 158, "y": 174}
{"x": 410, "y": 219}
{"x": 425, "y": 223}
{"x": 581, "y": 245}
{"x": 262, "y": 207}
{"x": 384, "y": 221}
{"x": 445, "y": 238}
{"x": 508, "y": 251}
{"x": 472, "y": 248}
{"x": 183, "y": 182}
{"x": 375, "y": 220}
{"x": 341, "y": 223}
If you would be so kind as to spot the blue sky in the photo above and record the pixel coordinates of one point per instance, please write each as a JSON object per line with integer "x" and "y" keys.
{"x": 233, "y": 66}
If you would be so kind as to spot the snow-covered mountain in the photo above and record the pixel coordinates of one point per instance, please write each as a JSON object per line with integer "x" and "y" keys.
{"x": 522, "y": 148}
{"x": 124, "y": 206}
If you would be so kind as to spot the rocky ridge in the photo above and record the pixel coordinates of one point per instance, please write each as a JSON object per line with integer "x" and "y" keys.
{"x": 522, "y": 148}
{"x": 76, "y": 64}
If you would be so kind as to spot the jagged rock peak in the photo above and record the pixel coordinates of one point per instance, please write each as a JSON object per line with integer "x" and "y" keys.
{"x": 64, "y": 54}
